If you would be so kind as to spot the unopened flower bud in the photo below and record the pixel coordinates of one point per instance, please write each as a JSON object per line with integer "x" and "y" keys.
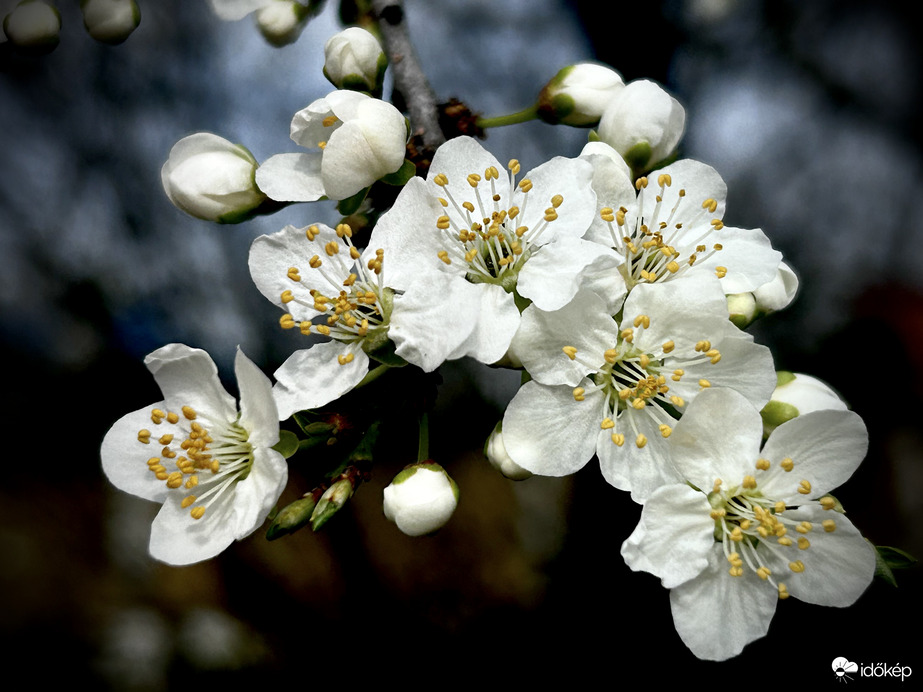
{"x": 797, "y": 394}
{"x": 110, "y": 21}
{"x": 496, "y": 454}
{"x": 291, "y": 518}
{"x": 779, "y": 292}
{"x": 353, "y": 59}
{"x": 643, "y": 123}
{"x": 210, "y": 178}
{"x": 742, "y": 309}
{"x": 331, "y": 502}
{"x": 34, "y": 26}
{"x": 420, "y": 499}
{"x": 579, "y": 94}
{"x": 281, "y": 22}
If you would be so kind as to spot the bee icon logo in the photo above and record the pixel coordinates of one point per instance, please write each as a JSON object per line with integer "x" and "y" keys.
{"x": 842, "y": 668}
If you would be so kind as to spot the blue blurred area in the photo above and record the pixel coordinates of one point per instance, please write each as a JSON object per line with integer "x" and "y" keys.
{"x": 811, "y": 113}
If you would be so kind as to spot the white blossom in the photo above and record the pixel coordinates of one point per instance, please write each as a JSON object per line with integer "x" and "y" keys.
{"x": 420, "y": 499}
{"x": 615, "y": 388}
{"x": 355, "y": 140}
{"x": 499, "y": 458}
{"x": 579, "y": 94}
{"x": 643, "y": 123}
{"x": 463, "y": 244}
{"x": 751, "y": 526}
{"x": 281, "y": 22}
{"x": 353, "y": 59}
{"x": 210, "y": 178}
{"x": 212, "y": 467}
{"x": 796, "y": 394}
{"x": 316, "y": 272}
{"x": 33, "y": 25}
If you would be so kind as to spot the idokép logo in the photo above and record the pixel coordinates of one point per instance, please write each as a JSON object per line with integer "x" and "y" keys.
{"x": 846, "y": 670}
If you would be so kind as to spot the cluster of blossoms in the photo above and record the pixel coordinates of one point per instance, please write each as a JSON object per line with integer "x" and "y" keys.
{"x": 609, "y": 279}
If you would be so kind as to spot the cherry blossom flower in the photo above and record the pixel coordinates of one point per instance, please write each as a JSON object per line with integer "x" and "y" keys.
{"x": 212, "y": 467}
{"x": 355, "y": 140}
{"x": 463, "y": 244}
{"x": 668, "y": 226}
{"x": 578, "y": 94}
{"x": 751, "y": 526}
{"x": 615, "y": 388}
{"x": 313, "y": 272}
{"x": 421, "y": 499}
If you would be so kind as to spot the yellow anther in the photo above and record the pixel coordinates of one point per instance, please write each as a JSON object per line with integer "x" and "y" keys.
{"x": 525, "y": 185}
{"x": 779, "y": 507}
{"x": 784, "y": 540}
{"x": 175, "y": 479}
{"x": 332, "y": 248}
{"x": 550, "y": 215}
{"x": 443, "y": 222}
{"x": 736, "y": 571}
{"x": 737, "y": 534}
{"x": 763, "y": 531}
{"x": 192, "y": 482}
{"x": 628, "y": 334}
{"x": 640, "y": 440}
{"x": 717, "y": 514}
{"x": 344, "y": 229}
{"x": 677, "y": 401}
{"x": 157, "y": 416}
{"x": 188, "y": 500}
{"x": 638, "y": 404}
{"x": 796, "y": 566}
{"x": 804, "y": 487}
{"x": 716, "y": 486}
{"x": 783, "y": 592}
{"x": 557, "y": 201}
{"x": 607, "y": 424}
{"x": 642, "y": 320}
{"x": 763, "y": 573}
{"x": 611, "y": 355}
{"x": 315, "y": 262}
{"x": 441, "y": 180}
{"x": 702, "y": 346}
{"x": 665, "y": 430}
{"x": 197, "y": 512}
{"x": 749, "y": 482}
{"x": 513, "y": 166}
{"x": 721, "y": 272}
{"x": 473, "y": 179}
{"x": 672, "y": 267}
{"x": 579, "y": 394}
{"x": 710, "y": 204}
{"x": 571, "y": 352}
{"x": 293, "y": 274}
{"x": 625, "y": 394}
{"x": 827, "y": 502}
{"x": 329, "y": 121}
{"x": 829, "y": 525}
{"x": 165, "y": 439}
{"x": 444, "y": 256}
{"x": 787, "y": 464}
{"x": 513, "y": 212}
{"x": 606, "y": 214}
{"x": 718, "y": 224}
{"x": 664, "y": 180}
{"x": 491, "y": 173}
{"x": 172, "y": 418}
{"x": 644, "y": 360}
{"x": 668, "y": 346}
{"x": 641, "y": 182}
{"x": 287, "y": 297}
{"x": 618, "y": 439}
{"x": 189, "y": 412}
{"x": 762, "y": 464}
{"x": 804, "y": 543}
{"x": 153, "y": 461}
{"x": 804, "y": 527}
{"x": 323, "y": 329}
{"x": 704, "y": 384}
{"x": 144, "y": 436}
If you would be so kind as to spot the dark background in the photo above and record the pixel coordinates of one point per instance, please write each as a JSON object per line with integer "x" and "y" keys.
{"x": 810, "y": 110}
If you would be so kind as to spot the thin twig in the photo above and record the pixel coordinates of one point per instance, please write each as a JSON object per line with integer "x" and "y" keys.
{"x": 408, "y": 75}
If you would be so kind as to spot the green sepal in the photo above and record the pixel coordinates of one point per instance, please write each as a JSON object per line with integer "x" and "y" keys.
{"x": 639, "y": 156}
{"x": 385, "y": 354}
{"x": 287, "y": 444}
{"x": 291, "y": 518}
{"x": 351, "y": 205}
{"x": 888, "y": 559}
{"x": 402, "y": 175}
{"x": 775, "y": 413}
{"x": 784, "y": 377}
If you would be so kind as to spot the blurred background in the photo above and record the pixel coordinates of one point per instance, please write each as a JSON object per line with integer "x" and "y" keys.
{"x": 809, "y": 110}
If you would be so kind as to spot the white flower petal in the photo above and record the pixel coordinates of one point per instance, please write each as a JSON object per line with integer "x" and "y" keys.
{"x": 232, "y": 10}
{"x": 124, "y": 458}
{"x": 256, "y": 495}
{"x": 746, "y": 254}
{"x": 826, "y": 448}
{"x": 554, "y": 272}
{"x": 717, "y": 615}
{"x": 312, "y": 377}
{"x": 188, "y": 377}
{"x": 548, "y": 433}
{"x": 674, "y": 537}
{"x": 178, "y": 539}
{"x": 292, "y": 177}
{"x": 258, "y": 413}
{"x": 498, "y": 320}
{"x": 639, "y": 470}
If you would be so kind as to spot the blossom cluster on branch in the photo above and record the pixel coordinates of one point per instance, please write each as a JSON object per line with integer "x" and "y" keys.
{"x": 608, "y": 279}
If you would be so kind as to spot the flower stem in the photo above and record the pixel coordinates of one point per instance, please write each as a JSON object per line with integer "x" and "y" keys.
{"x": 524, "y": 116}
{"x": 373, "y": 375}
{"x": 423, "y": 448}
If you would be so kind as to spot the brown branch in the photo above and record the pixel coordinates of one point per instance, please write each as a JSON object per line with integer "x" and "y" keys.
{"x": 408, "y": 75}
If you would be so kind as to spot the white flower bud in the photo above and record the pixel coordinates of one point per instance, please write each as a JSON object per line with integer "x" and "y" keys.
{"x": 796, "y": 394}
{"x": 779, "y": 292}
{"x": 420, "y": 499}
{"x": 110, "y": 21}
{"x": 643, "y": 123}
{"x": 33, "y": 25}
{"x": 742, "y": 309}
{"x": 281, "y": 22}
{"x": 210, "y": 178}
{"x": 579, "y": 94}
{"x": 499, "y": 458}
{"x": 353, "y": 59}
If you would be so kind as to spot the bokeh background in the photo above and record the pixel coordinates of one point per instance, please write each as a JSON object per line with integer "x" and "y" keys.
{"x": 810, "y": 111}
